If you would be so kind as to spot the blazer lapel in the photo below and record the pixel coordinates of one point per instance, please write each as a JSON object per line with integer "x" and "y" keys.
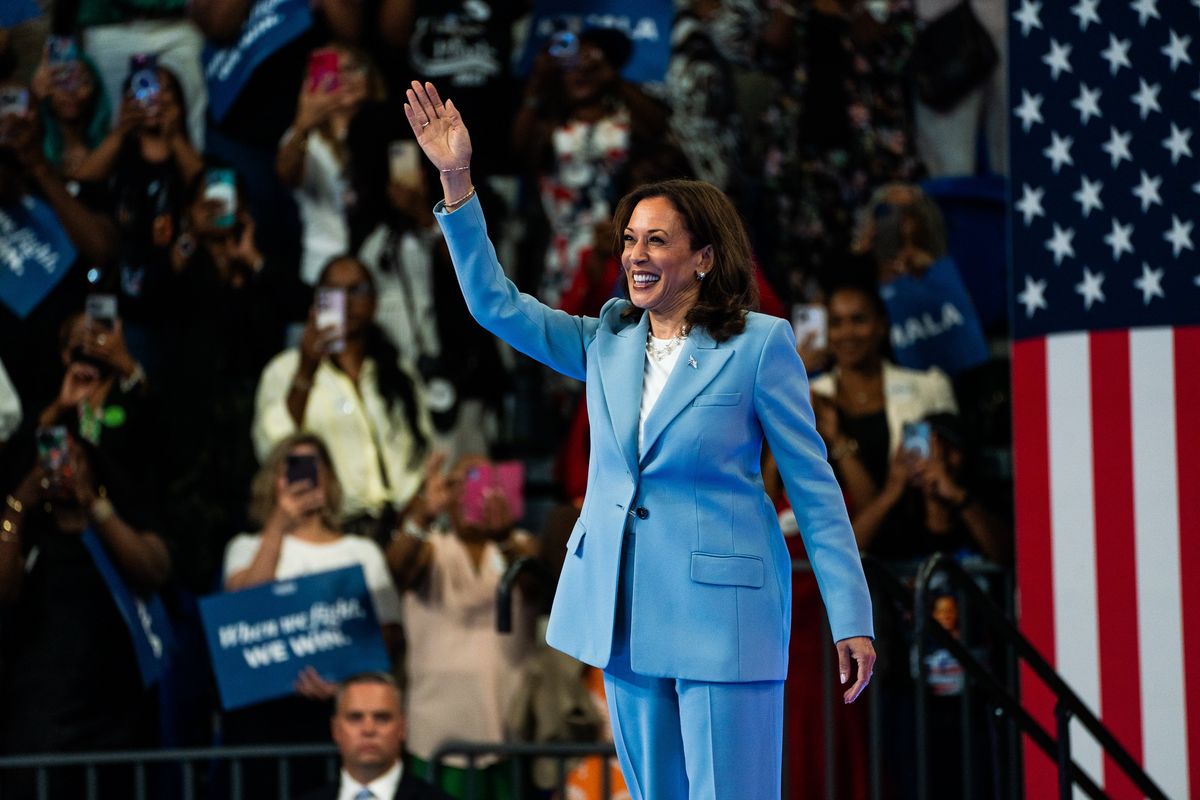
{"x": 699, "y": 362}
{"x": 622, "y": 359}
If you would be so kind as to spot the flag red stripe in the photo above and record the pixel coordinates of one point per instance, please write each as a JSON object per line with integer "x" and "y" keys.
{"x": 1116, "y": 575}
{"x": 1035, "y": 569}
{"x": 1187, "y": 438}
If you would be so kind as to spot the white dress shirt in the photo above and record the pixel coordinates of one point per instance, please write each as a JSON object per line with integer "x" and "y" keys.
{"x": 654, "y": 378}
{"x": 383, "y": 787}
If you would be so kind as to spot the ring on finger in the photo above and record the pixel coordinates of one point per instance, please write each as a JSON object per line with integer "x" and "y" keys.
{"x": 424, "y": 124}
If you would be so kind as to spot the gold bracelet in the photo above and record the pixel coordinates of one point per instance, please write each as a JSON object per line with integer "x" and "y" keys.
{"x": 15, "y": 504}
{"x": 102, "y": 510}
{"x": 453, "y": 205}
{"x": 9, "y": 532}
{"x": 843, "y": 448}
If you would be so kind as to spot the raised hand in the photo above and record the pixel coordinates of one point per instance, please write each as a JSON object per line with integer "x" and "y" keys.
{"x": 438, "y": 127}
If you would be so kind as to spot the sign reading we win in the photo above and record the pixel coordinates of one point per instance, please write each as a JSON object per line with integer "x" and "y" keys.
{"x": 261, "y": 638}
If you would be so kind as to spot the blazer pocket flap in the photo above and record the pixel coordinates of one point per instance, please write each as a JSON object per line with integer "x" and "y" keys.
{"x": 718, "y": 399}
{"x": 727, "y": 570}
{"x": 576, "y": 537}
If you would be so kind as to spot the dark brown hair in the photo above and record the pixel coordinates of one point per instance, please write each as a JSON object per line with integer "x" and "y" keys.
{"x": 728, "y": 290}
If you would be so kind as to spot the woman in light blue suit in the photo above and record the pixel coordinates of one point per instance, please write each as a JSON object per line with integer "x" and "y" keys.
{"x": 677, "y": 582}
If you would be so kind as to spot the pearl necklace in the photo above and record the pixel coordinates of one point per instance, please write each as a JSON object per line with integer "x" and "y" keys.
{"x": 660, "y": 350}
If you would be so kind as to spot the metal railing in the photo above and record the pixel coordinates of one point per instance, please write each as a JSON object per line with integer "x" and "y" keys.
{"x": 1068, "y": 705}
{"x": 218, "y": 773}
{"x": 178, "y": 774}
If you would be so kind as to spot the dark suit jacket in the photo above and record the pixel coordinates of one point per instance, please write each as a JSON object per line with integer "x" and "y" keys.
{"x": 411, "y": 788}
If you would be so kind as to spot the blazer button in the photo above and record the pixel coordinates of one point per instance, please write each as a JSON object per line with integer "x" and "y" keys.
{"x": 642, "y": 512}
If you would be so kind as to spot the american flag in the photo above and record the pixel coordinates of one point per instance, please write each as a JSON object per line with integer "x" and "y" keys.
{"x": 1105, "y": 139}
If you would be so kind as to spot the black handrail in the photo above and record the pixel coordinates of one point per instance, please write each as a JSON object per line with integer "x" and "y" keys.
{"x": 1068, "y": 703}
{"x": 505, "y": 587}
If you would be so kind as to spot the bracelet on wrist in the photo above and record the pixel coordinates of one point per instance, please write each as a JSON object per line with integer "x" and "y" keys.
{"x": 454, "y": 205}
{"x": 455, "y": 169}
{"x": 102, "y": 510}
{"x": 842, "y": 448}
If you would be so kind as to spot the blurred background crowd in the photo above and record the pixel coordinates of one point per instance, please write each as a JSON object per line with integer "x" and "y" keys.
{"x": 219, "y": 263}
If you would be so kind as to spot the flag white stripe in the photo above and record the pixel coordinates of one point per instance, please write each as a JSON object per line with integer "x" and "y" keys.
{"x": 1073, "y": 527}
{"x": 1156, "y": 524}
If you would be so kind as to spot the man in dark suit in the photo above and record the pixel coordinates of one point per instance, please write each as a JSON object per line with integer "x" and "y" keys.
{"x": 368, "y": 727}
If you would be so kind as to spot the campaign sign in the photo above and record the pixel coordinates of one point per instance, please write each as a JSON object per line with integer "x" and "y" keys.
{"x": 146, "y": 618}
{"x": 35, "y": 254}
{"x": 261, "y": 638}
{"x": 647, "y": 23}
{"x": 269, "y": 26}
{"x": 934, "y": 323}
{"x": 14, "y": 12}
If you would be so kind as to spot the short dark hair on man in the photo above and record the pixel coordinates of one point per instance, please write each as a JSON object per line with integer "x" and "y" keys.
{"x": 377, "y": 677}
{"x": 728, "y": 291}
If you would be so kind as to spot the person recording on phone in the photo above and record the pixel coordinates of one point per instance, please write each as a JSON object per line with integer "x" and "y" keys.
{"x": 447, "y": 559}
{"x": 228, "y": 305}
{"x": 295, "y": 498}
{"x": 315, "y": 158}
{"x": 927, "y": 503}
{"x": 677, "y": 578}
{"x": 147, "y": 162}
{"x": 421, "y": 309}
{"x": 864, "y": 401}
{"x": 84, "y": 468}
{"x": 73, "y": 106}
{"x": 345, "y": 383}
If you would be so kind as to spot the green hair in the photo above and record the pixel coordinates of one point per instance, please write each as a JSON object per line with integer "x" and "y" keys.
{"x": 97, "y": 127}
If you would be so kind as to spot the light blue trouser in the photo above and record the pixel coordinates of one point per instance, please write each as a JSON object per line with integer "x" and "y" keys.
{"x": 680, "y": 739}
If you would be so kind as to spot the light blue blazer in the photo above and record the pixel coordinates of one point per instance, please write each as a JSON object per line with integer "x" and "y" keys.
{"x": 711, "y": 572}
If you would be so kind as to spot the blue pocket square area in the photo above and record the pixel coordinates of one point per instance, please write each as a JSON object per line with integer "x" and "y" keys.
{"x": 727, "y": 570}
{"x": 718, "y": 399}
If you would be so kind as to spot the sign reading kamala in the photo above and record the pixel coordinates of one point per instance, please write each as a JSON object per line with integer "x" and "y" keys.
{"x": 261, "y": 638}
{"x": 647, "y": 23}
{"x": 269, "y": 26}
{"x": 35, "y": 254}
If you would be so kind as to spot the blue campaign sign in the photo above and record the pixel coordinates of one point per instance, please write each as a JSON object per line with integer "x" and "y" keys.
{"x": 260, "y": 638}
{"x": 934, "y": 323}
{"x": 14, "y": 12}
{"x": 35, "y": 254}
{"x": 647, "y": 23}
{"x": 146, "y": 618}
{"x": 269, "y": 26}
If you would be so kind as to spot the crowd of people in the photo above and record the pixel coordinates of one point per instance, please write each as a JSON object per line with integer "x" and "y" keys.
{"x": 185, "y": 203}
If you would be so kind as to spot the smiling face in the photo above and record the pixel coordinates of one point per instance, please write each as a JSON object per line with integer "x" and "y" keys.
{"x": 856, "y": 331}
{"x": 659, "y": 262}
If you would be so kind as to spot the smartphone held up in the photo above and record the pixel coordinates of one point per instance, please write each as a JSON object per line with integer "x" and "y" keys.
{"x": 504, "y": 477}
{"x": 220, "y": 187}
{"x": 100, "y": 311}
{"x": 331, "y": 317}
{"x": 144, "y": 86}
{"x": 915, "y": 439}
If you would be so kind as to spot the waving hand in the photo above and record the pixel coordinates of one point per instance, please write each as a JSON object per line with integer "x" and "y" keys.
{"x": 438, "y": 127}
